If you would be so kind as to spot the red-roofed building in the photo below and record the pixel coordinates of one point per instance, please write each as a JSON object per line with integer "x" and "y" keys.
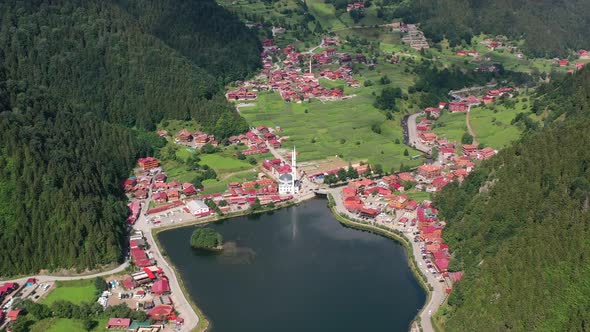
{"x": 442, "y": 264}
{"x": 348, "y": 192}
{"x": 369, "y": 212}
{"x": 563, "y": 62}
{"x": 399, "y": 202}
{"x": 458, "y": 107}
{"x": 13, "y": 315}
{"x": 485, "y": 153}
{"x": 469, "y": 149}
{"x": 188, "y": 189}
{"x": 406, "y": 177}
{"x": 429, "y": 171}
{"x": 148, "y": 163}
{"x": 439, "y": 183}
{"x": 353, "y": 203}
{"x": 118, "y": 323}
{"x": 427, "y": 138}
{"x": 161, "y": 312}
{"x": 160, "y": 197}
{"x": 411, "y": 206}
{"x": 161, "y": 287}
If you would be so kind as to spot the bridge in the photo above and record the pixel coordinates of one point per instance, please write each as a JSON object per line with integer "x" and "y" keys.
{"x": 321, "y": 192}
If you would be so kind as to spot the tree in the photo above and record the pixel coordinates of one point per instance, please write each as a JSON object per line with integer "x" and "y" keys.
{"x": 466, "y": 138}
{"x": 206, "y": 238}
{"x": 406, "y": 153}
{"x": 384, "y": 80}
{"x": 387, "y": 99}
{"x": 378, "y": 168}
{"x": 342, "y": 175}
{"x": 256, "y": 206}
{"x": 434, "y": 153}
{"x": 351, "y": 172}
{"x": 252, "y": 161}
{"x": 241, "y": 156}
{"x": 89, "y": 324}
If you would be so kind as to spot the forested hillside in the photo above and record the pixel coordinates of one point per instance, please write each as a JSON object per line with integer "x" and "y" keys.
{"x": 519, "y": 227}
{"x": 548, "y": 27}
{"x": 80, "y": 83}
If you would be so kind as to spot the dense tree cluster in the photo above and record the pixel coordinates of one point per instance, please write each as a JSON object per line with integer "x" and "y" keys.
{"x": 519, "y": 226}
{"x": 548, "y": 27}
{"x": 206, "y": 238}
{"x": 80, "y": 82}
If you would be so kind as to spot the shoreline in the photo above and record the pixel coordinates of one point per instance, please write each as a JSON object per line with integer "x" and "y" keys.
{"x": 401, "y": 239}
{"x": 204, "y": 322}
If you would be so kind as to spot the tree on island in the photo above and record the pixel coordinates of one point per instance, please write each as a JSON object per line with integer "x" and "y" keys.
{"x": 206, "y": 238}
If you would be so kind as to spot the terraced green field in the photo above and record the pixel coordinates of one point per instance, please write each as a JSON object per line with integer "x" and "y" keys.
{"x": 451, "y": 126}
{"x": 77, "y": 291}
{"x": 333, "y": 128}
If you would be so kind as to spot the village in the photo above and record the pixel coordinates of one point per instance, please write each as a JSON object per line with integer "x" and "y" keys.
{"x": 294, "y": 79}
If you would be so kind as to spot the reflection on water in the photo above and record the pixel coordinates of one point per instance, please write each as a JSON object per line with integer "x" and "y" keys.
{"x": 233, "y": 254}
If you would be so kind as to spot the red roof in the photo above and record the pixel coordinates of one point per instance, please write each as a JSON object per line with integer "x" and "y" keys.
{"x": 161, "y": 286}
{"x": 13, "y": 315}
{"x": 119, "y": 322}
{"x": 161, "y": 312}
{"x": 369, "y": 211}
{"x": 129, "y": 283}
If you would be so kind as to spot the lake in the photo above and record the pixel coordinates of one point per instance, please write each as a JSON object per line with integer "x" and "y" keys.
{"x": 297, "y": 269}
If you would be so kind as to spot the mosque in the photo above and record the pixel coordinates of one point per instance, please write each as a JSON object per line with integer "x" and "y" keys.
{"x": 288, "y": 182}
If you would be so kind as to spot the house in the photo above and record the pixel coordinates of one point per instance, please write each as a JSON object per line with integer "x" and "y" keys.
{"x": 433, "y": 111}
{"x": 439, "y": 183}
{"x": 188, "y": 189}
{"x": 461, "y": 53}
{"x": 427, "y": 138}
{"x": 399, "y": 202}
{"x": 353, "y": 203}
{"x": 458, "y": 107}
{"x": 161, "y": 177}
{"x": 580, "y": 65}
{"x": 583, "y": 54}
{"x": 442, "y": 105}
{"x": 485, "y": 153}
{"x": 184, "y": 136}
{"x": 198, "y": 208}
{"x": 173, "y": 195}
{"x": 369, "y": 212}
{"x": 447, "y": 152}
{"x": 118, "y": 323}
{"x": 488, "y": 100}
{"x": 148, "y": 163}
{"x": 429, "y": 171}
{"x": 161, "y": 287}
{"x": 406, "y": 177}
{"x": 348, "y": 192}
{"x": 161, "y": 312}
{"x": 469, "y": 149}
{"x": 30, "y": 282}
{"x": 140, "y": 194}
{"x": 563, "y": 62}
{"x": 472, "y": 100}
{"x": 13, "y": 315}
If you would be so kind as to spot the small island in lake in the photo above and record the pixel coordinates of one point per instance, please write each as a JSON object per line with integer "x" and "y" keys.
{"x": 206, "y": 238}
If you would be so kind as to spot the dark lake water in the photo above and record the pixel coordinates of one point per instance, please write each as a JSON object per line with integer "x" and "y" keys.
{"x": 298, "y": 269}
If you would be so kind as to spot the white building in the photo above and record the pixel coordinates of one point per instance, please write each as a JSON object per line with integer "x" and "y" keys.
{"x": 197, "y": 207}
{"x": 288, "y": 183}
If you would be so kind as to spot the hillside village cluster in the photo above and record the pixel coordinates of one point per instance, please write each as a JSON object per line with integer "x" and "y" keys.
{"x": 294, "y": 78}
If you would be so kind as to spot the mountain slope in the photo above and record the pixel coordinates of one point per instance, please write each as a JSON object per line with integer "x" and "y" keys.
{"x": 80, "y": 81}
{"x": 519, "y": 227}
{"x": 548, "y": 27}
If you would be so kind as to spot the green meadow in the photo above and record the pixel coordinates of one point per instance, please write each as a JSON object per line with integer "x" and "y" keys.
{"x": 492, "y": 123}
{"x": 76, "y": 291}
{"x": 322, "y": 129}
{"x": 451, "y": 126}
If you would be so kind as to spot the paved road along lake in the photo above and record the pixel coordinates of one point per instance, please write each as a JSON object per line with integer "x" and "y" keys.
{"x": 298, "y": 269}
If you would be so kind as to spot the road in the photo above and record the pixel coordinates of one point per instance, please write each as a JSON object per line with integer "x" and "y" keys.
{"x": 437, "y": 295}
{"x": 46, "y": 278}
{"x": 413, "y": 139}
{"x": 471, "y": 132}
{"x": 181, "y": 303}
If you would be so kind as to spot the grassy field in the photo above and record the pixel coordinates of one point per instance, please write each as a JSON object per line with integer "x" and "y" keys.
{"x": 174, "y": 126}
{"x": 491, "y": 123}
{"x": 333, "y": 128}
{"x": 64, "y": 324}
{"x": 220, "y": 185}
{"x": 224, "y": 164}
{"x": 77, "y": 291}
{"x": 451, "y": 126}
